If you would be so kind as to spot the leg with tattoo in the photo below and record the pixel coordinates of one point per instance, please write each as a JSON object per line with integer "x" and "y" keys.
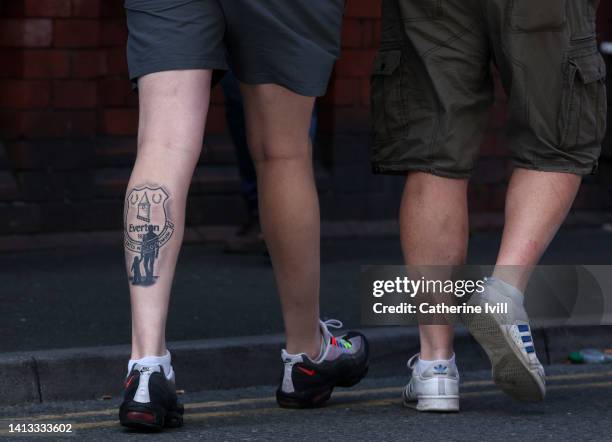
{"x": 173, "y": 108}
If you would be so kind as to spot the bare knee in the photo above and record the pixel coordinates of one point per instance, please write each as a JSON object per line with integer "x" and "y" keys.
{"x": 168, "y": 149}
{"x": 280, "y": 151}
{"x": 433, "y": 219}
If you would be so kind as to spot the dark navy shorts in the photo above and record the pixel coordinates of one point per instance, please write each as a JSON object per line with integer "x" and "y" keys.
{"x": 290, "y": 43}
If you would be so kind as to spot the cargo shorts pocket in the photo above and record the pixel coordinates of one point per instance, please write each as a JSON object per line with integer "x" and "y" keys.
{"x": 582, "y": 116}
{"x": 387, "y": 106}
{"x": 537, "y": 15}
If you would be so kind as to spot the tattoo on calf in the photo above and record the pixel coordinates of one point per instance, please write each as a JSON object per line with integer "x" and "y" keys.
{"x": 147, "y": 230}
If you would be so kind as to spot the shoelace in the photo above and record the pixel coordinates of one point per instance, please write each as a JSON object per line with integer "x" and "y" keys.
{"x": 412, "y": 361}
{"x": 333, "y": 323}
{"x": 337, "y": 324}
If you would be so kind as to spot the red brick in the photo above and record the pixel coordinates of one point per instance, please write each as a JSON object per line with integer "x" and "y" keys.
{"x": 45, "y": 63}
{"x": 11, "y": 124}
{"x": 59, "y": 124}
{"x": 120, "y": 121}
{"x": 604, "y": 21}
{"x": 114, "y": 32}
{"x": 346, "y": 91}
{"x": 86, "y": 8}
{"x": 376, "y": 33}
{"x": 112, "y": 8}
{"x": 367, "y": 31}
{"x": 352, "y": 33}
{"x": 11, "y": 61}
{"x": 494, "y": 144}
{"x": 216, "y": 123}
{"x": 349, "y": 118}
{"x": 76, "y": 33}
{"x": 31, "y": 32}
{"x": 498, "y": 115}
{"x": 116, "y": 61}
{"x": 355, "y": 63}
{"x": 365, "y": 92}
{"x": 75, "y": 94}
{"x": 131, "y": 99}
{"x": 88, "y": 63}
{"x": 47, "y": 8}
{"x": 114, "y": 92}
{"x": 363, "y": 8}
{"x": 217, "y": 96}
{"x": 12, "y": 8}
{"x": 22, "y": 94}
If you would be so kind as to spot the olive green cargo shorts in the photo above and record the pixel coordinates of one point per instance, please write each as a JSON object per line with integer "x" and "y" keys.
{"x": 432, "y": 85}
{"x": 290, "y": 43}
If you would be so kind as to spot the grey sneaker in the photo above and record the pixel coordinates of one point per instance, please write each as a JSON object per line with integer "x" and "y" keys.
{"x": 307, "y": 383}
{"x": 434, "y": 388}
{"x": 507, "y": 340}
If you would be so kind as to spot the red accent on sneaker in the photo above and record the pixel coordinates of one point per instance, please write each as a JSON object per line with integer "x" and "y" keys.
{"x": 129, "y": 382}
{"x": 307, "y": 371}
{"x": 141, "y": 416}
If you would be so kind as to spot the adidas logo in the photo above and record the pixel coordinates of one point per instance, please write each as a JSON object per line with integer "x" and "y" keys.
{"x": 440, "y": 369}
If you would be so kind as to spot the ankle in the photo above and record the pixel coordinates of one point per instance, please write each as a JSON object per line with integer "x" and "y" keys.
{"x": 439, "y": 354}
{"x": 142, "y": 351}
{"x": 310, "y": 347}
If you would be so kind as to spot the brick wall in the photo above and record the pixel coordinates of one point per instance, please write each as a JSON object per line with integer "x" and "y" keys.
{"x": 68, "y": 120}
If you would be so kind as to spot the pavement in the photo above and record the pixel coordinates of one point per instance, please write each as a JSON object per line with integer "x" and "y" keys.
{"x": 65, "y": 315}
{"x": 78, "y": 297}
{"x": 577, "y": 407}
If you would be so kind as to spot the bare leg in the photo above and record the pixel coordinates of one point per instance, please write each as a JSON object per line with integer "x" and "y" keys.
{"x": 434, "y": 231}
{"x": 278, "y": 122}
{"x": 173, "y": 108}
{"x": 536, "y": 206}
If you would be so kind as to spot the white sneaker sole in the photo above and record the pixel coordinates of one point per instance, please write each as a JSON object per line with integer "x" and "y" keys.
{"x": 434, "y": 404}
{"x": 510, "y": 371}
{"x": 439, "y": 403}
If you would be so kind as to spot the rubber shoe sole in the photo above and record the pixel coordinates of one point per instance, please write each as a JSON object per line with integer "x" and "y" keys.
{"x": 146, "y": 418}
{"x": 315, "y": 398}
{"x": 433, "y": 404}
{"x": 510, "y": 372}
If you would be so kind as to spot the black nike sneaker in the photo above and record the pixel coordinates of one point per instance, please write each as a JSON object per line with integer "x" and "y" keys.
{"x": 150, "y": 402}
{"x": 306, "y": 383}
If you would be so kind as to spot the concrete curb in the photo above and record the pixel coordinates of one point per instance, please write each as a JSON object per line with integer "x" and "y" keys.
{"x": 90, "y": 373}
{"x": 481, "y": 222}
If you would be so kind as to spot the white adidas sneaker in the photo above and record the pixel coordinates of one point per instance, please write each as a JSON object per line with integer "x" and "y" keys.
{"x": 507, "y": 340}
{"x": 434, "y": 386}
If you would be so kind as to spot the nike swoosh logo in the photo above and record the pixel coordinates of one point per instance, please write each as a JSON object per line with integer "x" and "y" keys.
{"x": 307, "y": 371}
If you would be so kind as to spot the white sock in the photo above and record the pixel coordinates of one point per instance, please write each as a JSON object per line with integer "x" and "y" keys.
{"x": 324, "y": 345}
{"x": 423, "y": 365}
{"x": 319, "y": 358}
{"x": 148, "y": 361}
{"x": 506, "y": 289}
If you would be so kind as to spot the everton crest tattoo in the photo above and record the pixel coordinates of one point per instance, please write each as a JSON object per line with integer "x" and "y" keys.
{"x": 147, "y": 230}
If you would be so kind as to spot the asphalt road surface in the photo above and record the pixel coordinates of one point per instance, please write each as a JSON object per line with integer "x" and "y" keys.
{"x": 578, "y": 407}
{"x": 45, "y": 296}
